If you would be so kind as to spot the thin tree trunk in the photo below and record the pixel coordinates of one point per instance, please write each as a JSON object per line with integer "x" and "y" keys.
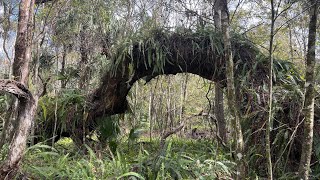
{"x": 290, "y": 43}
{"x": 304, "y": 166}
{"x": 219, "y": 112}
{"x": 183, "y": 96}
{"x": 160, "y": 115}
{"x": 6, "y": 28}
{"x": 239, "y": 146}
{"x": 35, "y": 79}
{"x": 55, "y": 91}
{"x": 268, "y": 123}
{"x": 63, "y": 65}
{"x": 136, "y": 108}
{"x": 156, "y": 114}
{"x": 169, "y": 105}
{"x": 84, "y": 73}
{"x": 150, "y": 114}
{"x": 183, "y": 99}
{"x": 218, "y": 105}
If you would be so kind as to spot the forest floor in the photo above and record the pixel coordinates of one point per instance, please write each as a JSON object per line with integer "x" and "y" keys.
{"x": 179, "y": 158}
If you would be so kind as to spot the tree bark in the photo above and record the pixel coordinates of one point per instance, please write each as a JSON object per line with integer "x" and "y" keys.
{"x": 218, "y": 105}
{"x": 183, "y": 96}
{"x": 110, "y": 97}
{"x": 304, "y": 166}
{"x": 63, "y": 65}
{"x": 150, "y": 112}
{"x": 270, "y": 116}
{"x": 6, "y": 26}
{"x": 22, "y": 47}
{"x": 84, "y": 53}
{"x": 27, "y": 105}
{"x": 219, "y": 113}
{"x": 26, "y": 111}
{"x": 231, "y": 94}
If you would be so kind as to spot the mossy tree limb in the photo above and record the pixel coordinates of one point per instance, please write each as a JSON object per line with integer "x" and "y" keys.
{"x": 179, "y": 55}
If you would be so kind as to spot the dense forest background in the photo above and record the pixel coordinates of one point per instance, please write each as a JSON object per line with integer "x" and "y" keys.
{"x": 159, "y": 89}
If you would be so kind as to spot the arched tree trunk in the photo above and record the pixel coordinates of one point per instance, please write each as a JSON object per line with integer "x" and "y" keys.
{"x": 110, "y": 97}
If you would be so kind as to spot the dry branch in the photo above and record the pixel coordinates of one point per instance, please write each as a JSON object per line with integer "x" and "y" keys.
{"x": 169, "y": 133}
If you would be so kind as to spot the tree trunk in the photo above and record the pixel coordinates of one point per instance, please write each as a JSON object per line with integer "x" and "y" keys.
{"x": 110, "y": 97}
{"x": 183, "y": 96}
{"x": 84, "y": 53}
{"x": 231, "y": 94}
{"x": 135, "y": 105}
{"x": 150, "y": 112}
{"x": 63, "y": 65}
{"x": 6, "y": 26}
{"x": 26, "y": 111}
{"x": 22, "y": 55}
{"x": 218, "y": 105}
{"x": 168, "y": 105}
{"x": 290, "y": 43}
{"x": 304, "y": 166}
{"x": 219, "y": 113}
{"x": 27, "y": 105}
{"x": 270, "y": 116}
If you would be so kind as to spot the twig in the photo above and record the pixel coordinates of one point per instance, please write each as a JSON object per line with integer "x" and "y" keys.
{"x": 169, "y": 133}
{"x": 291, "y": 139}
{"x": 234, "y": 12}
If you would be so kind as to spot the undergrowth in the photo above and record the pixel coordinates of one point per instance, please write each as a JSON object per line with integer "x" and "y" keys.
{"x": 179, "y": 159}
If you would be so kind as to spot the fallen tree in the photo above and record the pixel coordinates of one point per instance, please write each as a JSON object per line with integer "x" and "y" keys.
{"x": 164, "y": 52}
{"x": 171, "y": 53}
{"x": 201, "y": 53}
{"x": 159, "y": 53}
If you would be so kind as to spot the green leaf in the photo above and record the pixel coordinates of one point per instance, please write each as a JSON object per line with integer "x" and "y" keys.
{"x": 128, "y": 174}
{"x": 44, "y": 109}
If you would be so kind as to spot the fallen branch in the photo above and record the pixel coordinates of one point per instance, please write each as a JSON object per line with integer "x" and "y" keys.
{"x": 214, "y": 119}
{"x": 166, "y": 135}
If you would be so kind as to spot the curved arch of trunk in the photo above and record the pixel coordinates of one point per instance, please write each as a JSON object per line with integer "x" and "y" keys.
{"x": 179, "y": 55}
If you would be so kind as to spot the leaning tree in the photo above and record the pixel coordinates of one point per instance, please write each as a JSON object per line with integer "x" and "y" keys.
{"x": 161, "y": 52}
